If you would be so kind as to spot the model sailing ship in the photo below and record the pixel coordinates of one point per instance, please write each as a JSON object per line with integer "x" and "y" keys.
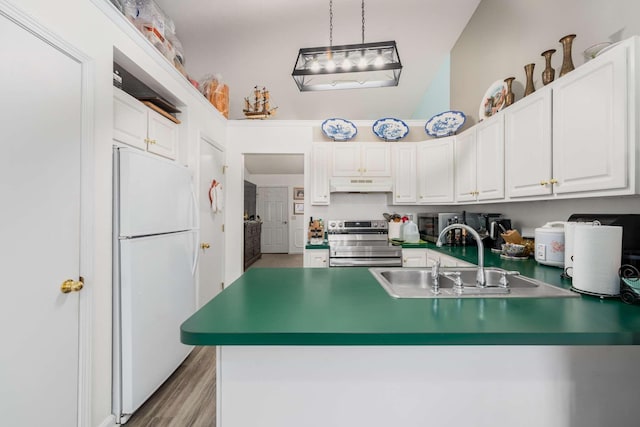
{"x": 259, "y": 108}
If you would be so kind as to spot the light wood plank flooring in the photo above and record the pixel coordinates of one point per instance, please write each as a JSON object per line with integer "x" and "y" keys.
{"x": 186, "y": 399}
{"x": 278, "y": 260}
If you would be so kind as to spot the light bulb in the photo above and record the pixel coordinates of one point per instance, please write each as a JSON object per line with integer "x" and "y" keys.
{"x": 315, "y": 66}
{"x": 347, "y": 64}
{"x": 331, "y": 65}
{"x": 362, "y": 64}
{"x": 379, "y": 62}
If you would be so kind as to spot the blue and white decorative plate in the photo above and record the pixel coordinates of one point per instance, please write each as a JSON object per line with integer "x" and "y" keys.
{"x": 390, "y": 129}
{"x": 445, "y": 124}
{"x": 339, "y": 129}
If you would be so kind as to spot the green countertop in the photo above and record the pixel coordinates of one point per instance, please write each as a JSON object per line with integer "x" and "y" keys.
{"x": 347, "y": 306}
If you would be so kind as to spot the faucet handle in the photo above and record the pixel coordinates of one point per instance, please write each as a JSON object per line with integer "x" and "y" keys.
{"x": 435, "y": 276}
{"x": 458, "y": 287}
{"x": 435, "y": 268}
{"x": 504, "y": 283}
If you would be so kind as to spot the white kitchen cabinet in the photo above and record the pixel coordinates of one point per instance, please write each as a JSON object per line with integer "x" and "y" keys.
{"x": 319, "y": 180}
{"x": 465, "y": 166}
{"x": 490, "y": 159}
{"x": 137, "y": 125}
{"x": 436, "y": 171}
{"x": 445, "y": 260}
{"x": 361, "y": 159}
{"x": 479, "y": 162}
{"x": 316, "y": 258}
{"x": 528, "y": 146}
{"x": 414, "y": 257}
{"x": 405, "y": 180}
{"x": 592, "y": 109}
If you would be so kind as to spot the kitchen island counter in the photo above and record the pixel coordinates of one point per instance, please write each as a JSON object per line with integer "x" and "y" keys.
{"x": 347, "y": 306}
{"x": 323, "y": 347}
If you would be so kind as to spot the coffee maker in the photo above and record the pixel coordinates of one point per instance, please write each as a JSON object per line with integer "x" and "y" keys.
{"x": 497, "y": 226}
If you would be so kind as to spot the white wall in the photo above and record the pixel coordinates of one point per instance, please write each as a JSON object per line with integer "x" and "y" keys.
{"x": 296, "y": 222}
{"x": 505, "y": 35}
{"x": 86, "y": 27}
{"x": 259, "y": 137}
{"x": 436, "y": 98}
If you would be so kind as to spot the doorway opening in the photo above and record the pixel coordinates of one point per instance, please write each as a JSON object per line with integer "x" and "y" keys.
{"x": 279, "y": 206}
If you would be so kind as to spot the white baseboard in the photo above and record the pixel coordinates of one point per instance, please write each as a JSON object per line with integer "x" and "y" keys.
{"x": 110, "y": 421}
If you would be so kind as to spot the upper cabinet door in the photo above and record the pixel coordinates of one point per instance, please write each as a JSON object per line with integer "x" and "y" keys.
{"x": 528, "y": 146}
{"x": 590, "y": 125}
{"x": 404, "y": 173}
{"x": 465, "y": 166}
{"x": 436, "y": 171}
{"x": 490, "y": 159}
{"x": 319, "y": 180}
{"x": 376, "y": 159}
{"x": 129, "y": 120}
{"x": 346, "y": 159}
{"x": 162, "y": 136}
{"x": 361, "y": 159}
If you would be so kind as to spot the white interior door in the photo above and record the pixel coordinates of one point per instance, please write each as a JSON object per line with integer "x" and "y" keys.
{"x": 211, "y": 265}
{"x": 272, "y": 207}
{"x": 40, "y": 170}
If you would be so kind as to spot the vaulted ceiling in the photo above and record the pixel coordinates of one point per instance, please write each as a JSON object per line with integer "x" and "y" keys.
{"x": 255, "y": 42}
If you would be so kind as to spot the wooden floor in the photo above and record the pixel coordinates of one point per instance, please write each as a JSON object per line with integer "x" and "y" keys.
{"x": 278, "y": 261}
{"x": 186, "y": 399}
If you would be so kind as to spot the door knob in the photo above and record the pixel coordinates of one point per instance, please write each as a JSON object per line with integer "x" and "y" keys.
{"x": 71, "y": 285}
{"x": 205, "y": 245}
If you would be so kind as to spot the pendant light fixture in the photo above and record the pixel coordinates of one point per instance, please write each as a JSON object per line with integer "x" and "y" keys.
{"x": 352, "y": 66}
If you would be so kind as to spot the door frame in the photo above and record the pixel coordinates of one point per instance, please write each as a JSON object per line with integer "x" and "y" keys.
{"x": 87, "y": 217}
{"x": 203, "y": 137}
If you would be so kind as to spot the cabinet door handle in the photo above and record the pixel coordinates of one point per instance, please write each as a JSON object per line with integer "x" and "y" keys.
{"x": 543, "y": 183}
{"x": 553, "y": 181}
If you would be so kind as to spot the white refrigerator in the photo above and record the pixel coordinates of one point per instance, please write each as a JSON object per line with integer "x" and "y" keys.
{"x": 155, "y": 256}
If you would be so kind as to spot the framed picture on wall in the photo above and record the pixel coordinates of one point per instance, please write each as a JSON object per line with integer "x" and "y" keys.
{"x": 298, "y": 193}
{"x": 298, "y": 208}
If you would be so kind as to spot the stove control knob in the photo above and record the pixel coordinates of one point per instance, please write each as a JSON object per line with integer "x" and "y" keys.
{"x": 332, "y": 224}
{"x": 340, "y": 224}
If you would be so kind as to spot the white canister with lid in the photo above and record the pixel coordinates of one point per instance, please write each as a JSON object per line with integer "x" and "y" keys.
{"x": 549, "y": 244}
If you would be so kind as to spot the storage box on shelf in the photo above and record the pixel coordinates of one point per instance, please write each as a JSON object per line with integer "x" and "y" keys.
{"x": 137, "y": 125}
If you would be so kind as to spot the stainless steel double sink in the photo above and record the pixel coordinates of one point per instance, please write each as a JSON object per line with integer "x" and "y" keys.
{"x": 402, "y": 282}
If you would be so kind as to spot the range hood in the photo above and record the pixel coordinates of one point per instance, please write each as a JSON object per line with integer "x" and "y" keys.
{"x": 360, "y": 185}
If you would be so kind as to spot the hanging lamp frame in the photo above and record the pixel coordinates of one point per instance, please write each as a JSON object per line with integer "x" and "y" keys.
{"x": 352, "y": 66}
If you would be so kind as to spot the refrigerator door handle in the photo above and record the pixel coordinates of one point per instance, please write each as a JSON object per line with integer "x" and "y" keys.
{"x": 196, "y": 220}
{"x": 196, "y": 252}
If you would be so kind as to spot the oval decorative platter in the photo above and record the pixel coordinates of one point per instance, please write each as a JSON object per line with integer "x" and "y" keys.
{"x": 445, "y": 124}
{"x": 339, "y": 129}
{"x": 493, "y": 99}
{"x": 390, "y": 129}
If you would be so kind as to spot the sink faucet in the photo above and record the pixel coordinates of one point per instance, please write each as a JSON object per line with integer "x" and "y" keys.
{"x": 480, "y": 277}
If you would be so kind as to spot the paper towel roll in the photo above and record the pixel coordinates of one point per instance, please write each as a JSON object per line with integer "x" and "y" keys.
{"x": 395, "y": 230}
{"x": 569, "y": 228}
{"x": 597, "y": 254}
